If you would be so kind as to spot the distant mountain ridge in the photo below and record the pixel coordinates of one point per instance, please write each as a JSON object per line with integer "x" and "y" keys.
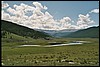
{"x": 21, "y": 30}
{"x": 58, "y": 33}
{"x": 92, "y": 32}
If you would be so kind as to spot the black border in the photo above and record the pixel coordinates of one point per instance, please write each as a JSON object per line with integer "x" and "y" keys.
{"x": 48, "y": 0}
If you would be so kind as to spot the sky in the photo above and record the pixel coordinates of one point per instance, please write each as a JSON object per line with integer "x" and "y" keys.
{"x": 52, "y": 15}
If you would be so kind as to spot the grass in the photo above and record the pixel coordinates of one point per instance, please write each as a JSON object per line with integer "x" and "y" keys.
{"x": 82, "y": 55}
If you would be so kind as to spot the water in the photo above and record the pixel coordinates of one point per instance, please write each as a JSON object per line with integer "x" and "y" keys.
{"x": 30, "y": 45}
{"x": 72, "y": 43}
{"x": 62, "y": 44}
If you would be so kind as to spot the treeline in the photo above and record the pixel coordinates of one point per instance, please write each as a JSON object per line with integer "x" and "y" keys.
{"x": 21, "y": 30}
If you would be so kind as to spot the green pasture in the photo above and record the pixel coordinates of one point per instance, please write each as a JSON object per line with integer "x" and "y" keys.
{"x": 86, "y": 54}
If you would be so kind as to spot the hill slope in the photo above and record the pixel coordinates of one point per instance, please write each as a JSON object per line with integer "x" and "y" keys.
{"x": 21, "y": 30}
{"x": 92, "y": 32}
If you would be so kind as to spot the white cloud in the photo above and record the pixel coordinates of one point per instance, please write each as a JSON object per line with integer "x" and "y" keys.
{"x": 10, "y": 10}
{"x": 20, "y": 7}
{"x": 23, "y": 5}
{"x": 38, "y": 13}
{"x": 94, "y": 11}
{"x": 38, "y": 5}
{"x": 66, "y": 23}
{"x": 65, "y": 19}
{"x": 38, "y": 19}
{"x": 2, "y": 2}
{"x": 84, "y": 21}
{"x": 42, "y": 20}
{"x": 5, "y": 16}
{"x": 4, "y": 5}
{"x": 45, "y": 8}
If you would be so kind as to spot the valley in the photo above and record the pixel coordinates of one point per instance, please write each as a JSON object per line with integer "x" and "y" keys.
{"x": 50, "y": 33}
{"x": 22, "y": 46}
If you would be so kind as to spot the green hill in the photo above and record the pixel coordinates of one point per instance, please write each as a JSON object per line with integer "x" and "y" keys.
{"x": 10, "y": 37}
{"x": 92, "y": 32}
{"x": 21, "y": 30}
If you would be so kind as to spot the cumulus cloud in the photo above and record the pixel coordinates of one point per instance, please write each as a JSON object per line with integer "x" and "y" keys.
{"x": 4, "y": 5}
{"x": 65, "y": 19}
{"x": 10, "y": 10}
{"x": 84, "y": 21}
{"x": 45, "y": 8}
{"x": 94, "y": 11}
{"x": 38, "y": 13}
{"x": 41, "y": 20}
{"x": 38, "y": 5}
{"x": 66, "y": 23}
{"x": 5, "y": 16}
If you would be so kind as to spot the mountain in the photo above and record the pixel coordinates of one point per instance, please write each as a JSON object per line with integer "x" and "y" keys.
{"x": 92, "y": 32}
{"x": 21, "y": 30}
{"x": 58, "y": 33}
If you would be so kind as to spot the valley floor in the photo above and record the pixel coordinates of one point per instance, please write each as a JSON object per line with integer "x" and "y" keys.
{"x": 86, "y": 54}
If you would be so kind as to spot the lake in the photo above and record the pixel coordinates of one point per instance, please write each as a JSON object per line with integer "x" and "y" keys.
{"x": 58, "y": 44}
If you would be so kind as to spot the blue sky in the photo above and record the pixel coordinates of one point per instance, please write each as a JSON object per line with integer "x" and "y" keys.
{"x": 72, "y": 9}
{"x": 60, "y": 9}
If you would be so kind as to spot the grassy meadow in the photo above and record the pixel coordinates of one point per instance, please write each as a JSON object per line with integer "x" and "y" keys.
{"x": 86, "y": 54}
